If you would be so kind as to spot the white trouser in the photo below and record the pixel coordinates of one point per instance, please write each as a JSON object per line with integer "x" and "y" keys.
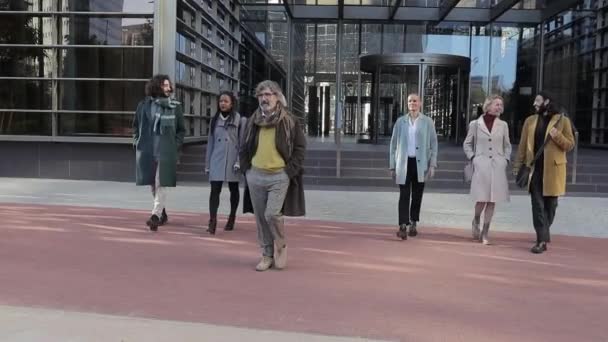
{"x": 160, "y": 195}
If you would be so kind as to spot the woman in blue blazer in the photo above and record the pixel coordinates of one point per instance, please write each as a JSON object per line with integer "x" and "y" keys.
{"x": 413, "y": 159}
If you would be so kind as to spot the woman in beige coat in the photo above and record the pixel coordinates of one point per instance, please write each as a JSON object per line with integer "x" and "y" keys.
{"x": 488, "y": 146}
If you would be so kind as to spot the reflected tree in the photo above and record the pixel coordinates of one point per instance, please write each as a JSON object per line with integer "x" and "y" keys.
{"x": 20, "y": 62}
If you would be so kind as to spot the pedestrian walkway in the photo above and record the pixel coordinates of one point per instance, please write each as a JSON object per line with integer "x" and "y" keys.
{"x": 75, "y": 267}
{"x": 577, "y": 216}
{"x": 19, "y": 324}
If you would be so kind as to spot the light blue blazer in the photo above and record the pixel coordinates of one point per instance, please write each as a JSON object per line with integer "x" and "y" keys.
{"x": 426, "y": 149}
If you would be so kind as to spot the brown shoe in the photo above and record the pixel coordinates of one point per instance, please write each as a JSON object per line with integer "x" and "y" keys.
{"x": 280, "y": 257}
{"x": 264, "y": 264}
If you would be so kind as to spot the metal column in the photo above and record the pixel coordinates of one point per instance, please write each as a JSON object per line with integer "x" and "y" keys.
{"x": 339, "y": 105}
{"x": 165, "y": 28}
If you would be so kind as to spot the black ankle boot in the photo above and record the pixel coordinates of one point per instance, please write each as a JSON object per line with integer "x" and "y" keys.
{"x": 412, "y": 231}
{"x": 164, "y": 218}
{"x": 212, "y": 225}
{"x": 153, "y": 223}
{"x": 402, "y": 232}
{"x": 230, "y": 223}
{"x": 539, "y": 248}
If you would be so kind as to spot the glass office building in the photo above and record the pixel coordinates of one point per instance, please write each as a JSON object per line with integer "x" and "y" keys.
{"x": 74, "y": 70}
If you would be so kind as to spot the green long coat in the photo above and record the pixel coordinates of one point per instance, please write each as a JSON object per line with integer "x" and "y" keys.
{"x": 172, "y": 137}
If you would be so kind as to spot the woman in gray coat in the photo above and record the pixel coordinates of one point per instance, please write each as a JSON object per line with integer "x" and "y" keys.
{"x": 488, "y": 146}
{"x": 222, "y": 160}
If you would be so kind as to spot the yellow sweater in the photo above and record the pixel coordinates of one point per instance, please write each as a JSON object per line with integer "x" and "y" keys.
{"x": 266, "y": 155}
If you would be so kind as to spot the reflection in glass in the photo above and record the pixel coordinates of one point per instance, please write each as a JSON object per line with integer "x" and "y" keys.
{"x": 19, "y": 123}
{"x": 447, "y": 38}
{"x": 87, "y": 30}
{"x": 421, "y": 3}
{"x": 326, "y": 48}
{"x": 441, "y": 91}
{"x": 480, "y": 60}
{"x": 100, "y": 95}
{"x": 25, "y": 94}
{"x": 118, "y": 125}
{"x": 392, "y": 39}
{"x": 375, "y": 2}
{"x": 25, "y": 61}
{"x": 136, "y": 6}
{"x": 310, "y": 48}
{"x": 26, "y": 29}
{"x": 106, "y": 62}
{"x": 475, "y": 3}
{"x": 396, "y": 82}
{"x": 278, "y": 42}
{"x": 371, "y": 38}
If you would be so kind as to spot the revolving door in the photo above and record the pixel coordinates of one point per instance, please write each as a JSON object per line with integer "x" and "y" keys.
{"x": 442, "y": 81}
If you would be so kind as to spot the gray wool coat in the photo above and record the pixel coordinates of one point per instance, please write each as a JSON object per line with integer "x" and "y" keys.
{"x": 223, "y": 149}
{"x": 491, "y": 153}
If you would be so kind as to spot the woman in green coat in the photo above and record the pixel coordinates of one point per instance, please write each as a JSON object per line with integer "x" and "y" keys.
{"x": 158, "y": 134}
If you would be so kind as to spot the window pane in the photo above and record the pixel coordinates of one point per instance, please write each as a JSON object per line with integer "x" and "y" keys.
{"x": 91, "y": 30}
{"x": 106, "y": 62}
{"x": 30, "y": 5}
{"x": 95, "y": 124}
{"x": 392, "y": 38}
{"x": 100, "y": 95}
{"x": 370, "y": 38}
{"x": 25, "y": 123}
{"x": 25, "y": 62}
{"x": 25, "y": 29}
{"x": 146, "y": 6}
{"x": 25, "y": 94}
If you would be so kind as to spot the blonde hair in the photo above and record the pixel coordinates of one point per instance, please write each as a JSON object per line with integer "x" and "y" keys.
{"x": 273, "y": 87}
{"x": 488, "y": 102}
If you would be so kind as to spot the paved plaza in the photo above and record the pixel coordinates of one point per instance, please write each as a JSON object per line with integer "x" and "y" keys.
{"x": 77, "y": 265}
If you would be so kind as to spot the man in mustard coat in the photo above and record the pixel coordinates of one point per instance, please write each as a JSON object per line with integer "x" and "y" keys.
{"x": 548, "y": 180}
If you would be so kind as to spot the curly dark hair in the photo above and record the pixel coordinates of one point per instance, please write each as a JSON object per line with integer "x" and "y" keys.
{"x": 546, "y": 95}
{"x": 233, "y": 102}
{"x": 154, "y": 86}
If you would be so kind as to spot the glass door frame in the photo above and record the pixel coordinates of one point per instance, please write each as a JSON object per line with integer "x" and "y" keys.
{"x": 373, "y": 64}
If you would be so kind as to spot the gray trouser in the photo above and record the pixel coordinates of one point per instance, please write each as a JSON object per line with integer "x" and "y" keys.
{"x": 267, "y": 191}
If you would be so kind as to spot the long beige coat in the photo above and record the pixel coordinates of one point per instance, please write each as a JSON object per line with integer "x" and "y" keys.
{"x": 492, "y": 153}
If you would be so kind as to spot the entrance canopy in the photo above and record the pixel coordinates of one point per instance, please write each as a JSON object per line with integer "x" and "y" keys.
{"x": 479, "y": 11}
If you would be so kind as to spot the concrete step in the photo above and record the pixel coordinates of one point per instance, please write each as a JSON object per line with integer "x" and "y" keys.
{"x": 374, "y": 167}
{"x": 448, "y": 153}
{"x": 439, "y": 182}
{"x": 369, "y": 169}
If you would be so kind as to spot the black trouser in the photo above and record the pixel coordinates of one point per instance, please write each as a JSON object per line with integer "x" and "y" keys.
{"x": 543, "y": 209}
{"x": 214, "y": 197}
{"x": 415, "y": 188}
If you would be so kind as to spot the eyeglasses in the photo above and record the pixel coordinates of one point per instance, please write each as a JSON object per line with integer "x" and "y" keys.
{"x": 265, "y": 94}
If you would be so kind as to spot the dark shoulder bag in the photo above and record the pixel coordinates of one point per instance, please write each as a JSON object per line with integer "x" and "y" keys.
{"x": 523, "y": 175}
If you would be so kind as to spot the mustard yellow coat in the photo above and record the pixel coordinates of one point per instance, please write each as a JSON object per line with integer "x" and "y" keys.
{"x": 554, "y": 175}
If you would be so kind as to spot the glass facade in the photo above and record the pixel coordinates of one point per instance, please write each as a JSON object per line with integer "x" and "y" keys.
{"x": 78, "y": 68}
{"x": 73, "y": 68}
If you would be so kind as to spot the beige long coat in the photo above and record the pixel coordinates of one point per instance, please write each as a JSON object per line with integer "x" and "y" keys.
{"x": 492, "y": 154}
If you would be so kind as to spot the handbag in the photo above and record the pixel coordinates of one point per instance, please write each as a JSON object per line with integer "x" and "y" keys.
{"x": 469, "y": 169}
{"x": 525, "y": 172}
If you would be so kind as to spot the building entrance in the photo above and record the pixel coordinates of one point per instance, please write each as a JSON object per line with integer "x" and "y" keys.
{"x": 442, "y": 81}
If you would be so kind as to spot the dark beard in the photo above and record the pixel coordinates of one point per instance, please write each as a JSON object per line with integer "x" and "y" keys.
{"x": 541, "y": 109}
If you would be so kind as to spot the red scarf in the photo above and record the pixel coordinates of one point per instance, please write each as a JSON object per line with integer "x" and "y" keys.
{"x": 489, "y": 120}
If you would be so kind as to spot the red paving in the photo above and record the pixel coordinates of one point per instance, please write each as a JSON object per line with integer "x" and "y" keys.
{"x": 342, "y": 279}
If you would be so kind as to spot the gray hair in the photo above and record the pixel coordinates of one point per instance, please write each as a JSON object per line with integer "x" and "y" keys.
{"x": 488, "y": 102}
{"x": 273, "y": 87}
